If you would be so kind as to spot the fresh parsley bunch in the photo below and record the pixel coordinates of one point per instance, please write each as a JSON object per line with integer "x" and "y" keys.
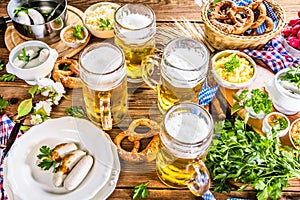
{"x": 241, "y": 155}
{"x": 292, "y": 75}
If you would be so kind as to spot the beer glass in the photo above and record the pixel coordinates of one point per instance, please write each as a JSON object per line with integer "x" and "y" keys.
{"x": 103, "y": 73}
{"x": 182, "y": 66}
{"x": 185, "y": 135}
{"x": 135, "y": 28}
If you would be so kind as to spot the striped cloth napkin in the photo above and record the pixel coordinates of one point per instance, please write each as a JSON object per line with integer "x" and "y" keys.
{"x": 6, "y": 126}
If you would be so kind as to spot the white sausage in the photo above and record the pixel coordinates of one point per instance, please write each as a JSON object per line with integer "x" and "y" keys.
{"x": 30, "y": 52}
{"x": 36, "y": 16}
{"x": 78, "y": 173}
{"x": 68, "y": 162}
{"x": 23, "y": 18}
{"x": 44, "y": 53}
{"x": 59, "y": 151}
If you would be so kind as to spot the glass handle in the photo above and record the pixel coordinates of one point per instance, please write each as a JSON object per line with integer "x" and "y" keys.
{"x": 105, "y": 111}
{"x": 151, "y": 69}
{"x": 200, "y": 181}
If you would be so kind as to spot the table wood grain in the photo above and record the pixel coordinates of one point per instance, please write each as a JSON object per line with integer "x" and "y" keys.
{"x": 142, "y": 103}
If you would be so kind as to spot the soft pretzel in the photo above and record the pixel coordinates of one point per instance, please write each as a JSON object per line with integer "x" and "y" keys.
{"x": 221, "y": 9}
{"x": 146, "y": 155}
{"x": 237, "y": 26}
{"x": 261, "y": 17}
{"x": 255, "y": 4}
{"x": 269, "y": 23}
{"x": 68, "y": 77}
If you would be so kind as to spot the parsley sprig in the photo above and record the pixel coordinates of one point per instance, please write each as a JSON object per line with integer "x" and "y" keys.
{"x": 105, "y": 24}
{"x": 292, "y": 75}
{"x": 256, "y": 99}
{"x": 20, "y": 9}
{"x": 75, "y": 111}
{"x": 24, "y": 56}
{"x": 77, "y": 31}
{"x": 3, "y": 104}
{"x": 232, "y": 64}
{"x": 46, "y": 159}
{"x": 238, "y": 153}
{"x": 141, "y": 191}
{"x": 8, "y": 77}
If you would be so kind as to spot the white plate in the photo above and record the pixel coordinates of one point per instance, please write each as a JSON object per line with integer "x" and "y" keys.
{"x": 28, "y": 181}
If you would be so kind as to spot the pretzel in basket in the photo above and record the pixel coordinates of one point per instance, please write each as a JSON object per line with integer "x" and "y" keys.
{"x": 236, "y": 26}
{"x": 146, "y": 155}
{"x": 66, "y": 71}
{"x": 261, "y": 17}
{"x": 269, "y": 23}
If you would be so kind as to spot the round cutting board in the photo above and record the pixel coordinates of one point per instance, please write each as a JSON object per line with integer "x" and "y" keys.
{"x": 12, "y": 38}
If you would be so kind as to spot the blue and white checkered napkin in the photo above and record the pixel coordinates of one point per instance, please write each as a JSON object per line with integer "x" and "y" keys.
{"x": 207, "y": 94}
{"x": 270, "y": 13}
{"x": 6, "y": 126}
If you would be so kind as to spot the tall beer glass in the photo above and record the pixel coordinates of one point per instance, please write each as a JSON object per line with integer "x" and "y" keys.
{"x": 103, "y": 73}
{"x": 182, "y": 67}
{"x": 135, "y": 28}
{"x": 185, "y": 136}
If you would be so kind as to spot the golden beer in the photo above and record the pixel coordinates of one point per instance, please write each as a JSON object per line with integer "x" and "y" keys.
{"x": 118, "y": 101}
{"x": 169, "y": 94}
{"x": 135, "y": 28}
{"x": 182, "y": 70}
{"x": 185, "y": 138}
{"x": 134, "y": 55}
{"x": 103, "y": 73}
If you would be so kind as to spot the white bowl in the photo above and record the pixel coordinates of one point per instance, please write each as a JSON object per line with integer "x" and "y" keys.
{"x": 96, "y": 32}
{"x": 284, "y": 101}
{"x": 266, "y": 127}
{"x": 297, "y": 121}
{"x": 225, "y": 83}
{"x": 77, "y": 42}
{"x": 32, "y": 74}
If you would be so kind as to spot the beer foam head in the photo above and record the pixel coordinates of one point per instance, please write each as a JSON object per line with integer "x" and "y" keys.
{"x": 185, "y": 65}
{"x": 102, "y": 66}
{"x": 187, "y": 127}
{"x": 135, "y": 21}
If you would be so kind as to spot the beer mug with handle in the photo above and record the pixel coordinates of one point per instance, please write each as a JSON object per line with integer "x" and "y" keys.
{"x": 135, "y": 28}
{"x": 186, "y": 134}
{"x": 183, "y": 66}
{"x": 103, "y": 74}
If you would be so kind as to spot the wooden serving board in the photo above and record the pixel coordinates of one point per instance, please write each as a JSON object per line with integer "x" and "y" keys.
{"x": 12, "y": 37}
{"x": 263, "y": 76}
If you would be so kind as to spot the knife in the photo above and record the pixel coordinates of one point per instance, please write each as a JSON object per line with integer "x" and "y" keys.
{"x": 12, "y": 138}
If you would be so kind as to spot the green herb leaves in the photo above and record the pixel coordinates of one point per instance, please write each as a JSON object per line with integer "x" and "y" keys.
{"x": 8, "y": 77}
{"x": 77, "y": 32}
{"x": 3, "y": 104}
{"x": 240, "y": 154}
{"x": 25, "y": 107}
{"x": 256, "y": 99}
{"x": 46, "y": 160}
{"x": 21, "y": 9}
{"x": 292, "y": 75}
{"x": 1, "y": 64}
{"x": 232, "y": 64}
{"x": 105, "y": 23}
{"x": 24, "y": 56}
{"x": 141, "y": 191}
{"x": 75, "y": 111}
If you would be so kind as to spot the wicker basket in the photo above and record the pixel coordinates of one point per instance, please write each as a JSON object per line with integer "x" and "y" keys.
{"x": 221, "y": 40}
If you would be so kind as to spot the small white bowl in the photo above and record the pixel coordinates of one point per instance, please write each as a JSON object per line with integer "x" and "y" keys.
{"x": 293, "y": 125}
{"x": 225, "y": 83}
{"x": 76, "y": 42}
{"x": 32, "y": 74}
{"x": 266, "y": 127}
{"x": 92, "y": 29}
{"x": 284, "y": 101}
{"x": 254, "y": 115}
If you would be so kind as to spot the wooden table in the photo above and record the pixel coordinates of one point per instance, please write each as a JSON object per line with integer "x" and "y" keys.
{"x": 142, "y": 103}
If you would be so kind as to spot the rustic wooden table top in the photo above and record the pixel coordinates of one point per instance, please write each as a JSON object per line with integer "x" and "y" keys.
{"x": 142, "y": 103}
